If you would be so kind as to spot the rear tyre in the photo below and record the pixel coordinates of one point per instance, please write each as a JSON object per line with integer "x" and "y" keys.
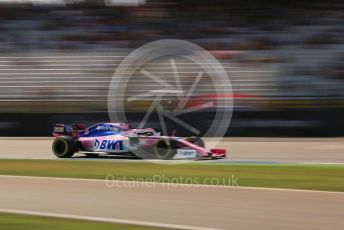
{"x": 195, "y": 140}
{"x": 165, "y": 149}
{"x": 64, "y": 147}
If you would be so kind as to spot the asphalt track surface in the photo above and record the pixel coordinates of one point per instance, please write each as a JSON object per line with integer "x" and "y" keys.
{"x": 175, "y": 206}
{"x": 178, "y": 206}
{"x": 255, "y": 150}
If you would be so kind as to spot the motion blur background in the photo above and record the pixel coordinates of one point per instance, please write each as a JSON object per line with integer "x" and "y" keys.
{"x": 284, "y": 59}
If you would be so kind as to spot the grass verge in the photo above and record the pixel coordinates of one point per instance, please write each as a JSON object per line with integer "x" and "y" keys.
{"x": 292, "y": 176}
{"x": 19, "y": 222}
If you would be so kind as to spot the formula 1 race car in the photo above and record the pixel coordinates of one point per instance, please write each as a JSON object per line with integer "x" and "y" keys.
{"x": 117, "y": 138}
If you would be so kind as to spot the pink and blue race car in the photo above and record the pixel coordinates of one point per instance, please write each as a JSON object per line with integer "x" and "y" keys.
{"x": 121, "y": 139}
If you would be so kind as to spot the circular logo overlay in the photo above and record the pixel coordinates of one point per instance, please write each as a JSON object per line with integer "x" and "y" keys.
{"x": 170, "y": 88}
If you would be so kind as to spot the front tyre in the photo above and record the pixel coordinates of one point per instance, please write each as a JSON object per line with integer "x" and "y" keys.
{"x": 165, "y": 149}
{"x": 64, "y": 147}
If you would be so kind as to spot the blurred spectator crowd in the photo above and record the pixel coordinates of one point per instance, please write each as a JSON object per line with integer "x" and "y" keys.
{"x": 279, "y": 55}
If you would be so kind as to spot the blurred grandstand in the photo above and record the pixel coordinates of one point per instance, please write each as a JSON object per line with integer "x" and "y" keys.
{"x": 285, "y": 60}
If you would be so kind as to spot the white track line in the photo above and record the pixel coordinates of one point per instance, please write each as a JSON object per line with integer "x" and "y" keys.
{"x": 140, "y": 183}
{"x": 103, "y": 219}
{"x": 319, "y": 163}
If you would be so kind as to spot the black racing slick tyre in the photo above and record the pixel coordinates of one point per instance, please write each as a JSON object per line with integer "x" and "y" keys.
{"x": 165, "y": 149}
{"x": 195, "y": 140}
{"x": 64, "y": 147}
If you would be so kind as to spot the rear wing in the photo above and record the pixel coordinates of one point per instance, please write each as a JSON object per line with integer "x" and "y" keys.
{"x": 71, "y": 130}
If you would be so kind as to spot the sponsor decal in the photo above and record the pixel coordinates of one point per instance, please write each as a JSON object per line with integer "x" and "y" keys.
{"x": 96, "y": 144}
{"x": 58, "y": 129}
{"x": 185, "y": 154}
{"x": 107, "y": 128}
{"x": 114, "y": 145}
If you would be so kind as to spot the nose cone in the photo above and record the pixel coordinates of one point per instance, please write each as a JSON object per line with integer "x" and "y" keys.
{"x": 218, "y": 153}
